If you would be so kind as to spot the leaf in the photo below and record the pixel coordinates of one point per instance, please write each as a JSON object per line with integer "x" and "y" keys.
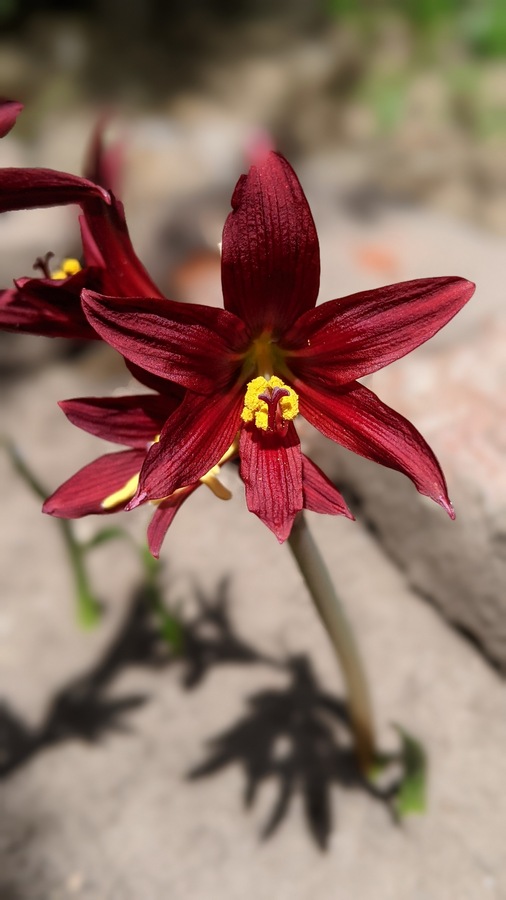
{"x": 89, "y": 611}
{"x": 104, "y": 536}
{"x": 411, "y": 793}
{"x": 171, "y": 630}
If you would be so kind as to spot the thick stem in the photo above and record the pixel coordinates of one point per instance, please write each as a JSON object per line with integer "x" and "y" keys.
{"x": 319, "y": 584}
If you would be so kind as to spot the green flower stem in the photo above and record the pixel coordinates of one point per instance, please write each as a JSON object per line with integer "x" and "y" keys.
{"x": 88, "y": 608}
{"x": 89, "y": 611}
{"x": 319, "y": 584}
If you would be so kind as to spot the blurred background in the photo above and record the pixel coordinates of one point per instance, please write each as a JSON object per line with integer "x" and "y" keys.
{"x": 409, "y": 97}
{"x": 394, "y": 115}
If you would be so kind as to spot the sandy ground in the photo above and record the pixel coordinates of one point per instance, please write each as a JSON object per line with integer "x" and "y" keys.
{"x": 127, "y": 774}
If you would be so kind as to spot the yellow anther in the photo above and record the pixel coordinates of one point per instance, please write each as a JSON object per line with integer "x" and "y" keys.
{"x": 67, "y": 268}
{"x": 268, "y": 400}
{"x": 123, "y": 494}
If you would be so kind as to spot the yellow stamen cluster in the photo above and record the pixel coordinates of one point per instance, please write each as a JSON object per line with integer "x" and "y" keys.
{"x": 256, "y": 409}
{"x": 67, "y": 268}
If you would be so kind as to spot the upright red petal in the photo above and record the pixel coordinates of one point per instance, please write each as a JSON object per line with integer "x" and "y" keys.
{"x": 193, "y": 441}
{"x": 347, "y": 338}
{"x": 192, "y": 345}
{"x": 104, "y": 162}
{"x": 82, "y": 494}
{"x": 271, "y": 469}
{"x": 270, "y": 254}
{"x": 32, "y": 188}
{"x": 134, "y": 420}
{"x": 124, "y": 273}
{"x": 9, "y": 111}
{"x": 358, "y": 420}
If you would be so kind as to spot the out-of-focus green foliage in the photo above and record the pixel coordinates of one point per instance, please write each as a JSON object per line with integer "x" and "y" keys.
{"x": 478, "y": 25}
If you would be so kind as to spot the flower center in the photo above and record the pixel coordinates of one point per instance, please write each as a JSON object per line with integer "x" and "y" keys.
{"x": 270, "y": 405}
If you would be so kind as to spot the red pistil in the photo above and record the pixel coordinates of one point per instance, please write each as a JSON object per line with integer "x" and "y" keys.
{"x": 272, "y": 396}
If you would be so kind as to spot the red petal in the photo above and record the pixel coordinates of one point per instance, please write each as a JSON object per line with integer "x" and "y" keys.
{"x": 91, "y": 253}
{"x": 48, "y": 307}
{"x": 193, "y": 441}
{"x": 31, "y": 188}
{"x": 271, "y": 468}
{"x": 9, "y": 111}
{"x": 189, "y": 344}
{"x": 270, "y": 253}
{"x": 104, "y": 161}
{"x": 345, "y": 339}
{"x": 84, "y": 492}
{"x": 320, "y": 495}
{"x": 154, "y": 382}
{"x": 164, "y": 516}
{"x": 124, "y": 273}
{"x": 358, "y": 420}
{"x": 134, "y": 421}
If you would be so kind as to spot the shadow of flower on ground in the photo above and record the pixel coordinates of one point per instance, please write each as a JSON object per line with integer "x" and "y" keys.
{"x": 298, "y": 734}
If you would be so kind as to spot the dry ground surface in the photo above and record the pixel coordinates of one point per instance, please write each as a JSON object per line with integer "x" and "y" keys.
{"x": 101, "y": 732}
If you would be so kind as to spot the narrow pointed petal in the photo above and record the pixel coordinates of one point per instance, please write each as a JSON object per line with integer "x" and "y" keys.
{"x": 104, "y": 161}
{"x": 271, "y": 469}
{"x": 345, "y": 339}
{"x": 164, "y": 516}
{"x": 270, "y": 253}
{"x": 320, "y": 495}
{"x": 358, "y": 420}
{"x": 91, "y": 253}
{"x": 134, "y": 420}
{"x": 193, "y": 441}
{"x": 124, "y": 274}
{"x": 84, "y": 492}
{"x": 31, "y": 188}
{"x": 189, "y": 344}
{"x": 9, "y": 111}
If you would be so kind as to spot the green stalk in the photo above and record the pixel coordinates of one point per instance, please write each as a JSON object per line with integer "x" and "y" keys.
{"x": 88, "y": 608}
{"x": 333, "y": 616}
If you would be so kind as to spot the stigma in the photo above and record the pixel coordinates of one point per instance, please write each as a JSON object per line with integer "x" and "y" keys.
{"x": 269, "y": 404}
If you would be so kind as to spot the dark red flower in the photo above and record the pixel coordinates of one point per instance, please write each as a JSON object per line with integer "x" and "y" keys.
{"x": 51, "y": 305}
{"x": 270, "y": 353}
